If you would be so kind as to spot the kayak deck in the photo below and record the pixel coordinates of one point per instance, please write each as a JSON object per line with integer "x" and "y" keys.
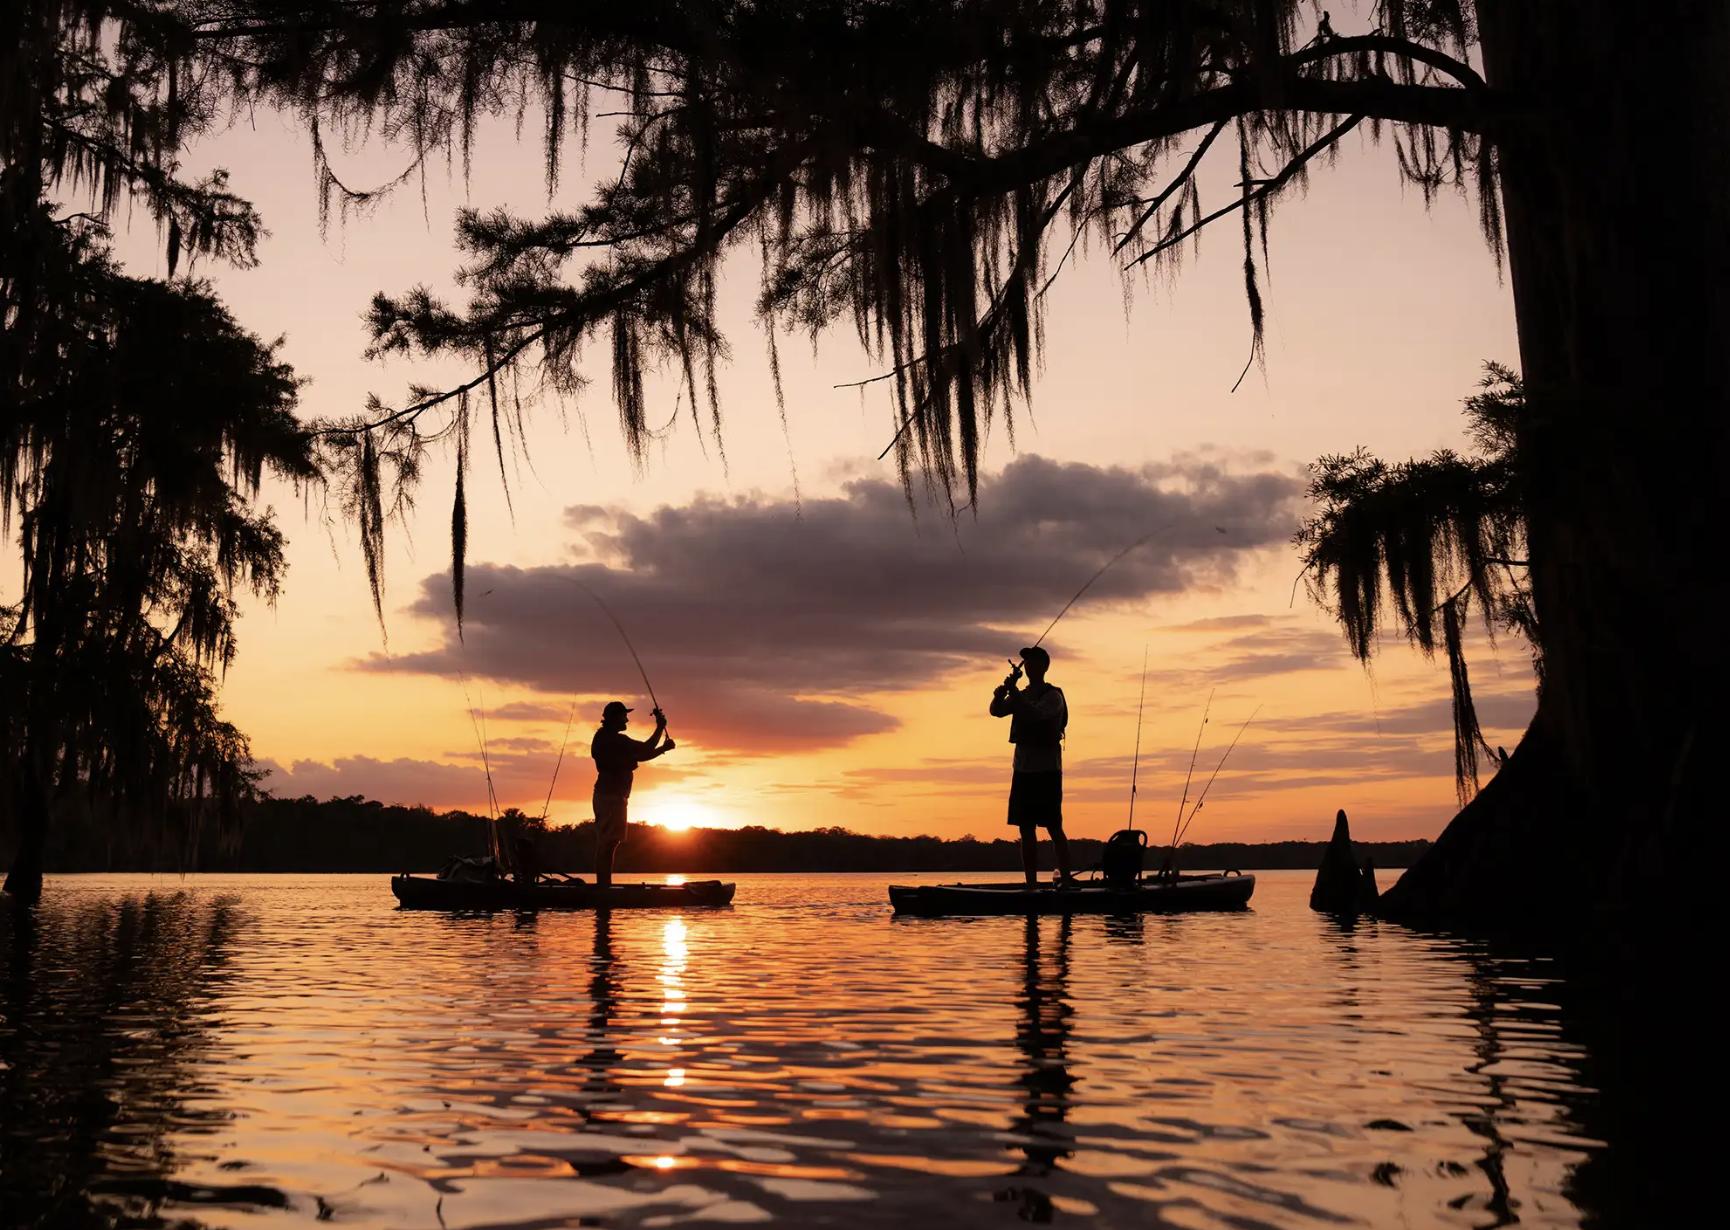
{"x": 1202, "y": 892}
{"x": 430, "y": 893}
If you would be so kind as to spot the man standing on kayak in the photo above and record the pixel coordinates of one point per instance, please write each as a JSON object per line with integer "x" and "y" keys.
{"x": 617, "y": 756}
{"x": 1037, "y": 715}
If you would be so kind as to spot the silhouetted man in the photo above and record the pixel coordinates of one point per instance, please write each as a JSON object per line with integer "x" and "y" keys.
{"x": 1037, "y": 717}
{"x": 617, "y": 756}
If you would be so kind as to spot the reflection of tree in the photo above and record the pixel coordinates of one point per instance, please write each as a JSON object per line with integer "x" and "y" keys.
{"x": 1484, "y": 993}
{"x": 1042, "y": 1037}
{"x": 1630, "y": 1079}
{"x": 1487, "y": 991}
{"x": 1339, "y": 932}
{"x": 104, "y": 1019}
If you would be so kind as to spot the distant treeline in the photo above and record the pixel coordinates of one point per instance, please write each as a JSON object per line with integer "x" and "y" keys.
{"x": 358, "y": 834}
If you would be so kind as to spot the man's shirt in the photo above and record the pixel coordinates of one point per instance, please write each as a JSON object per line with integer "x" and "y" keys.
{"x": 1038, "y": 717}
{"x": 617, "y": 756}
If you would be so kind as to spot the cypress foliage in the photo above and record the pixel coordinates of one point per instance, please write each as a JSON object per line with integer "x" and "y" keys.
{"x": 1434, "y": 535}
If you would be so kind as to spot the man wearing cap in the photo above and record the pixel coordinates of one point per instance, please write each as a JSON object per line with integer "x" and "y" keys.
{"x": 1037, "y": 715}
{"x": 617, "y": 756}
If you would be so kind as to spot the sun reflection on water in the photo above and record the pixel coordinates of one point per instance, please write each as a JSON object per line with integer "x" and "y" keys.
{"x": 676, "y": 954}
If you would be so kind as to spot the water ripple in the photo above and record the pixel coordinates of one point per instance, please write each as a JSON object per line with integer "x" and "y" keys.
{"x": 292, "y": 1050}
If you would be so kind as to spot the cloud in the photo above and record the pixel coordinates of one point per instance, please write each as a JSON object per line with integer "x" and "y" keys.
{"x": 520, "y": 778}
{"x": 1344, "y": 750}
{"x": 771, "y": 625}
{"x": 1274, "y": 647}
{"x": 1506, "y": 708}
{"x": 1220, "y": 623}
{"x": 432, "y": 782}
{"x": 528, "y": 711}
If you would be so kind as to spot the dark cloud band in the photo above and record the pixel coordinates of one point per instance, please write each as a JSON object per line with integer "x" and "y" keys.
{"x": 768, "y": 623}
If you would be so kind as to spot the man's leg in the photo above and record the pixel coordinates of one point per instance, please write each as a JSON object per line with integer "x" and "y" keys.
{"x": 1061, "y": 842}
{"x": 609, "y": 835}
{"x": 1030, "y": 854}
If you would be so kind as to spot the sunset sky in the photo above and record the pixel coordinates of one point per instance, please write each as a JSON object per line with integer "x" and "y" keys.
{"x": 825, "y": 656}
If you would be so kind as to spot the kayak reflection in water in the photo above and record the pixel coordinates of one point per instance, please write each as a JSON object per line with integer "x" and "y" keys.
{"x": 617, "y": 756}
{"x": 1038, "y": 716}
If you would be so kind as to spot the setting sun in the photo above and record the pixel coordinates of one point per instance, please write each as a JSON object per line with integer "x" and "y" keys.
{"x": 678, "y": 813}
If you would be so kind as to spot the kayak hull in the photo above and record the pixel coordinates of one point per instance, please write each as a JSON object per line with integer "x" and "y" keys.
{"x": 1189, "y": 893}
{"x": 429, "y": 893}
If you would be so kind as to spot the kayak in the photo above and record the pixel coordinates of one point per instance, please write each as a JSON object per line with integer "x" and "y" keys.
{"x": 430, "y": 893}
{"x": 1164, "y": 896}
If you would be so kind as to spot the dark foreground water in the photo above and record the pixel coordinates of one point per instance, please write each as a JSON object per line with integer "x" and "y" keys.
{"x": 276, "y": 1051}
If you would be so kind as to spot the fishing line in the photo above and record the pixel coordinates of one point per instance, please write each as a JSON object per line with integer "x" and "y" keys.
{"x": 1203, "y": 797}
{"x": 1135, "y": 765}
{"x": 563, "y": 743}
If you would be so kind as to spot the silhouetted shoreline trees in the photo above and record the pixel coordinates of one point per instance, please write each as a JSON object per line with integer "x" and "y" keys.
{"x": 359, "y": 834}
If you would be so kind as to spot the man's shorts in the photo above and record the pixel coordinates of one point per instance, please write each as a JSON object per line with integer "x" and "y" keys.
{"x": 1037, "y": 799}
{"x": 610, "y": 822}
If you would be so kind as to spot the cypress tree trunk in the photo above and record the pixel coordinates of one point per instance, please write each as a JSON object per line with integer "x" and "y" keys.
{"x": 30, "y": 812}
{"x": 1617, "y": 224}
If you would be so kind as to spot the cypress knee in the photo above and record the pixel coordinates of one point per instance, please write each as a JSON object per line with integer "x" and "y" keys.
{"x": 1368, "y": 893}
{"x": 1339, "y": 883}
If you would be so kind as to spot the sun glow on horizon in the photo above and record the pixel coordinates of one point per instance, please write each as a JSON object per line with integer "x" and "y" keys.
{"x": 680, "y": 813}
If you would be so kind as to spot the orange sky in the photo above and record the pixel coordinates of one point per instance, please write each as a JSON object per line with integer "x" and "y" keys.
{"x": 825, "y": 657}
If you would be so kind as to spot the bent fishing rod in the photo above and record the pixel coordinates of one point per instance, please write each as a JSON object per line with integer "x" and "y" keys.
{"x": 623, "y": 635}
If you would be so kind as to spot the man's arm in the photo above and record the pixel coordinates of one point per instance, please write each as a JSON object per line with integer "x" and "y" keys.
{"x": 1003, "y": 700}
{"x": 657, "y": 744}
{"x": 1049, "y": 706}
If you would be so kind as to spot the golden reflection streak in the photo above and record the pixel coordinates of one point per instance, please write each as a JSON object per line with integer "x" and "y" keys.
{"x": 676, "y": 953}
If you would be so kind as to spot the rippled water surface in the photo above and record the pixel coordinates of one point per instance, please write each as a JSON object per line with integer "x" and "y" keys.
{"x": 240, "y": 1050}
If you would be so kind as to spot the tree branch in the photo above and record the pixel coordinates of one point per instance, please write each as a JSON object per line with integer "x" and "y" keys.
{"x": 1385, "y": 44}
{"x": 1181, "y": 178}
{"x": 1267, "y": 188}
{"x": 1376, "y": 98}
{"x": 599, "y": 305}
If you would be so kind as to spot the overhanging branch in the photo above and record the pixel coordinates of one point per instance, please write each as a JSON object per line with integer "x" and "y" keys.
{"x": 1265, "y": 190}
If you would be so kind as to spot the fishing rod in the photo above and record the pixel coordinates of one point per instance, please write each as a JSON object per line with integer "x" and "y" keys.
{"x": 1203, "y": 797}
{"x": 1135, "y": 765}
{"x": 1190, "y": 775}
{"x": 623, "y": 635}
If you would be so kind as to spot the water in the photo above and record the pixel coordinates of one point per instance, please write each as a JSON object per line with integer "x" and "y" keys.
{"x": 284, "y": 1051}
